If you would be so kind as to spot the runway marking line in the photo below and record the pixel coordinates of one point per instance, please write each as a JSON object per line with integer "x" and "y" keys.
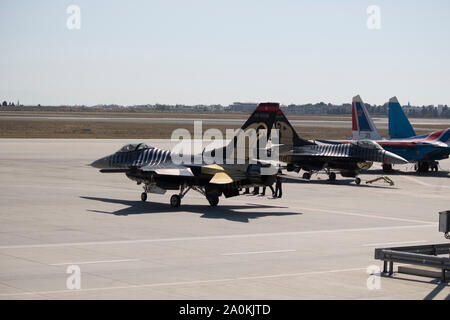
{"x": 257, "y": 252}
{"x": 235, "y": 236}
{"x": 366, "y": 215}
{"x": 162, "y": 284}
{"x": 93, "y": 262}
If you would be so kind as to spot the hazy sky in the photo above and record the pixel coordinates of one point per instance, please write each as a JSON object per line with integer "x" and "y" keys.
{"x": 214, "y": 51}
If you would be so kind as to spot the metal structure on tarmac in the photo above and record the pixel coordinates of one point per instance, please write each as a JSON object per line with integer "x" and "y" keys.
{"x": 425, "y": 255}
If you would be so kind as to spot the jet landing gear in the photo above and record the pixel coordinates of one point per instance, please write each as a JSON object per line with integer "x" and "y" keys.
{"x": 434, "y": 166}
{"x": 147, "y": 189}
{"x": 425, "y": 166}
{"x": 331, "y": 176}
{"x": 175, "y": 200}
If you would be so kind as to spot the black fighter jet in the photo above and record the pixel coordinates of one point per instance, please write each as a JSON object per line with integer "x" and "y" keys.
{"x": 311, "y": 156}
{"x": 156, "y": 170}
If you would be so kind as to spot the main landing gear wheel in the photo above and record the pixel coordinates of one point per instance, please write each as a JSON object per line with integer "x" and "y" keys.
{"x": 422, "y": 167}
{"x": 357, "y": 180}
{"x": 307, "y": 175}
{"x": 144, "y": 196}
{"x": 387, "y": 167}
{"x": 332, "y": 177}
{"x": 213, "y": 201}
{"x": 175, "y": 201}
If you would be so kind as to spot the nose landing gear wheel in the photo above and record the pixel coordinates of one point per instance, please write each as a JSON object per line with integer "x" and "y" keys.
{"x": 144, "y": 196}
{"x": 175, "y": 201}
{"x": 357, "y": 181}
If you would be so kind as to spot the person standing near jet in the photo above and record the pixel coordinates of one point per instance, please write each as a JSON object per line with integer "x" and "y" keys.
{"x": 278, "y": 190}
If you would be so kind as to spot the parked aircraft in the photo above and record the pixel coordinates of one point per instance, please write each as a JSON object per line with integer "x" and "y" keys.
{"x": 424, "y": 150}
{"x": 312, "y": 156}
{"x": 401, "y": 128}
{"x": 156, "y": 170}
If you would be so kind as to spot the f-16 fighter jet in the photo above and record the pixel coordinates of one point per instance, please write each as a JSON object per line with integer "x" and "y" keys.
{"x": 348, "y": 159}
{"x": 224, "y": 171}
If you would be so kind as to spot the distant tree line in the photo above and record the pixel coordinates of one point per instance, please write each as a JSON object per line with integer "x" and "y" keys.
{"x": 320, "y": 108}
{"x": 377, "y": 110}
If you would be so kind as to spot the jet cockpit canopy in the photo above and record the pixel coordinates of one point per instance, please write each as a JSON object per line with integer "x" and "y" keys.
{"x": 135, "y": 147}
{"x": 369, "y": 144}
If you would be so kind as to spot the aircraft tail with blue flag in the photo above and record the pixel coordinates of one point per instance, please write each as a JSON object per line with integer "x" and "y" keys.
{"x": 362, "y": 124}
{"x": 399, "y": 125}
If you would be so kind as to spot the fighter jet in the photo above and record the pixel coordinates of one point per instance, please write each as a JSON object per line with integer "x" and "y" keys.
{"x": 156, "y": 170}
{"x": 312, "y": 156}
{"x": 424, "y": 150}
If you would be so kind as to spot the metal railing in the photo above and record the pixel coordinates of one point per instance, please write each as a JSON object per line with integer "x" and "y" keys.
{"x": 425, "y": 255}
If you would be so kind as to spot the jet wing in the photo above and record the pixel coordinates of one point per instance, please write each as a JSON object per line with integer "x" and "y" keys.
{"x": 305, "y": 152}
{"x": 332, "y": 151}
{"x": 169, "y": 169}
{"x": 221, "y": 174}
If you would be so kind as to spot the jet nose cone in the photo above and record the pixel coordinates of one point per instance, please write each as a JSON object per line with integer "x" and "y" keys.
{"x": 100, "y": 163}
{"x": 391, "y": 158}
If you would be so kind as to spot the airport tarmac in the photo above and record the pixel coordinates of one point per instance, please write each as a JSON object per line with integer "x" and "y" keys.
{"x": 317, "y": 242}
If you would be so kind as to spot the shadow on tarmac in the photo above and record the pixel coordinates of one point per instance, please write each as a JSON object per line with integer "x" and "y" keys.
{"x": 227, "y": 212}
{"x": 430, "y": 296}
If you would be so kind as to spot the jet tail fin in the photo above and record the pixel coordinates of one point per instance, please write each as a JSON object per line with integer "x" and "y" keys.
{"x": 362, "y": 124}
{"x": 399, "y": 125}
{"x": 288, "y": 137}
{"x": 262, "y": 118}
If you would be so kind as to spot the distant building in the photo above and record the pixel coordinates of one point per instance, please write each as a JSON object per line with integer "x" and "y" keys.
{"x": 409, "y": 109}
{"x": 243, "y": 106}
{"x": 216, "y": 107}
